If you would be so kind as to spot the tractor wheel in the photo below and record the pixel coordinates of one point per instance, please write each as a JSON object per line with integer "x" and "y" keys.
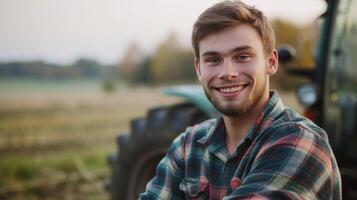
{"x": 141, "y": 150}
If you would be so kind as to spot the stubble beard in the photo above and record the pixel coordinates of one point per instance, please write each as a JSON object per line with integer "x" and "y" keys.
{"x": 234, "y": 108}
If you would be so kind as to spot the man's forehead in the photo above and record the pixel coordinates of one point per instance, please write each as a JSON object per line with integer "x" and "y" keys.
{"x": 229, "y": 39}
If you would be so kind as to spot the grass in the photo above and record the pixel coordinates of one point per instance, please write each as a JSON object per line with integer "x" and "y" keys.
{"x": 23, "y": 167}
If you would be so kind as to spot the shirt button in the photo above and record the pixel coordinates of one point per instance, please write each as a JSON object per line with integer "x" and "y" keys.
{"x": 235, "y": 183}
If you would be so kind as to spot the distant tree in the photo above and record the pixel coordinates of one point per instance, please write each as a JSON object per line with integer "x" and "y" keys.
{"x": 172, "y": 63}
{"x": 88, "y": 67}
{"x": 143, "y": 75}
{"x": 129, "y": 65}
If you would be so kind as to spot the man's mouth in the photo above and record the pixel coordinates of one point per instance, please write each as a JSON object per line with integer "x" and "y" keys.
{"x": 231, "y": 89}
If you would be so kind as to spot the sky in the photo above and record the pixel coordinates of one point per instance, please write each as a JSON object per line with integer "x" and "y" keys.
{"x": 62, "y": 31}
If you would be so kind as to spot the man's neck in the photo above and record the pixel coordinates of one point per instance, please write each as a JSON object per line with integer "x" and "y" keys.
{"x": 237, "y": 127}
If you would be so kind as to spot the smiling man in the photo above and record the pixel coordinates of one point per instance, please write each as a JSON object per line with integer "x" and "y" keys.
{"x": 258, "y": 149}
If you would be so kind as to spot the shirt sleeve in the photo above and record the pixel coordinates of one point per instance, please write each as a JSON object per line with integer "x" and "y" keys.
{"x": 294, "y": 166}
{"x": 169, "y": 174}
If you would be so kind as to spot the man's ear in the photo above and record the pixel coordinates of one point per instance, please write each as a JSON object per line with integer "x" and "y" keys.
{"x": 198, "y": 69}
{"x": 273, "y": 62}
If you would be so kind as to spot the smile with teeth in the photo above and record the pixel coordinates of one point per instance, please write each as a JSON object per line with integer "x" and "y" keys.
{"x": 231, "y": 89}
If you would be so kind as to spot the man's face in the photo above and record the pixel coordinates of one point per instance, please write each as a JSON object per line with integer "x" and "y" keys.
{"x": 233, "y": 69}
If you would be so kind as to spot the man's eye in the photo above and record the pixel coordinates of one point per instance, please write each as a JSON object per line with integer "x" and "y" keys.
{"x": 243, "y": 57}
{"x": 213, "y": 60}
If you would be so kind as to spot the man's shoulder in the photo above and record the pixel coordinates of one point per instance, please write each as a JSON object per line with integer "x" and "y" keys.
{"x": 291, "y": 123}
{"x": 280, "y": 121}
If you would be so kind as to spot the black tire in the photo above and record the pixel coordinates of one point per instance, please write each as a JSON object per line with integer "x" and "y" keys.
{"x": 139, "y": 152}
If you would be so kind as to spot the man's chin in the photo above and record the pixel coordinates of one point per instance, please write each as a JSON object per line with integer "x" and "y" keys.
{"x": 231, "y": 111}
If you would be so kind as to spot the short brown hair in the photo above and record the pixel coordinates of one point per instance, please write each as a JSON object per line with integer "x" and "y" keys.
{"x": 230, "y": 13}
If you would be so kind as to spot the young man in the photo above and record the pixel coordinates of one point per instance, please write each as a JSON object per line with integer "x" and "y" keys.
{"x": 259, "y": 149}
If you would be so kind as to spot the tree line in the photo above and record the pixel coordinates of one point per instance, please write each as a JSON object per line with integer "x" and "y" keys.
{"x": 82, "y": 68}
{"x": 171, "y": 63}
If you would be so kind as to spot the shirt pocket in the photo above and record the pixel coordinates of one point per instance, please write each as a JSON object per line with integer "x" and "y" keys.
{"x": 195, "y": 188}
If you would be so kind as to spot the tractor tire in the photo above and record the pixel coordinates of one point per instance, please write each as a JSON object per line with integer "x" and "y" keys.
{"x": 140, "y": 151}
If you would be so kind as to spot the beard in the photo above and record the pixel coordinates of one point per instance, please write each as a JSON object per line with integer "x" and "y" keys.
{"x": 237, "y": 107}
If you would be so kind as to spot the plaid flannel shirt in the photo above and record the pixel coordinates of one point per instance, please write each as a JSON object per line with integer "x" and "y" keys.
{"x": 283, "y": 156}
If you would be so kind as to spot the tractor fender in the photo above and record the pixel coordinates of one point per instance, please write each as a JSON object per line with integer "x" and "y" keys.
{"x": 195, "y": 95}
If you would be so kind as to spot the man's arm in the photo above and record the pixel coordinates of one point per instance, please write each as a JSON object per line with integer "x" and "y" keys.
{"x": 295, "y": 166}
{"x": 169, "y": 174}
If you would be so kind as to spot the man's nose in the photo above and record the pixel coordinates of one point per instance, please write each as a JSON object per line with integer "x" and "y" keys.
{"x": 229, "y": 71}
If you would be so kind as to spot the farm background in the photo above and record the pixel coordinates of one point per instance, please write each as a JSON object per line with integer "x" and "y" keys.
{"x": 55, "y": 135}
{"x": 72, "y": 77}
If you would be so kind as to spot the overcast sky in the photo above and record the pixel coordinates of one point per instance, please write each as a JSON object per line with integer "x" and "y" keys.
{"x": 61, "y": 31}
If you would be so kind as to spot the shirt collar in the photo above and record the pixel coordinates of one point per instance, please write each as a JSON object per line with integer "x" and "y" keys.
{"x": 217, "y": 127}
{"x": 272, "y": 109}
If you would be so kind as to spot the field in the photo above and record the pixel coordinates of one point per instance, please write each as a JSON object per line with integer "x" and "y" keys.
{"x": 55, "y": 135}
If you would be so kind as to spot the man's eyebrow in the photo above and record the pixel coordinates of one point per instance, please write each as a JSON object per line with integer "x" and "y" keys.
{"x": 237, "y": 49}
{"x": 210, "y": 53}
{"x": 242, "y": 48}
